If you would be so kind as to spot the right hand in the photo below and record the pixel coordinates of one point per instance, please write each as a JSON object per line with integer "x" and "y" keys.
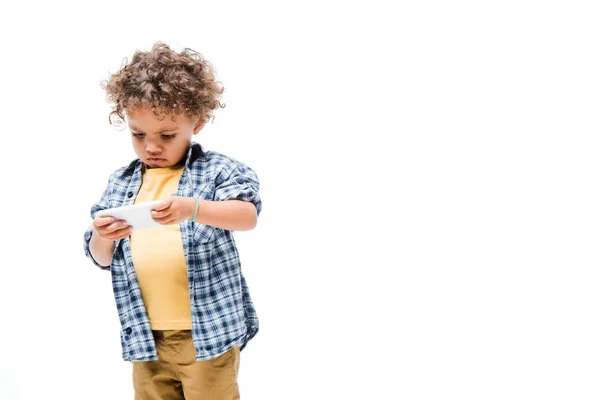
{"x": 107, "y": 228}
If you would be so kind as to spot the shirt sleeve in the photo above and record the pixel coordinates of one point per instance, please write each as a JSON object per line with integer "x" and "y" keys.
{"x": 240, "y": 184}
{"x": 102, "y": 204}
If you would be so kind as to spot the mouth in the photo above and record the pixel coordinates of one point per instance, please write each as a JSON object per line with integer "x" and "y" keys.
{"x": 156, "y": 159}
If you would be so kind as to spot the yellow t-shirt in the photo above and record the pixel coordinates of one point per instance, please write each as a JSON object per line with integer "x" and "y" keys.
{"x": 159, "y": 259}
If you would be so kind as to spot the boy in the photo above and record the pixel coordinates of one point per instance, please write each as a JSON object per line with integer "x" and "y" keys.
{"x": 183, "y": 303}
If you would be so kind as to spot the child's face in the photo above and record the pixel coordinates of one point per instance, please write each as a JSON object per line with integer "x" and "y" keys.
{"x": 160, "y": 143}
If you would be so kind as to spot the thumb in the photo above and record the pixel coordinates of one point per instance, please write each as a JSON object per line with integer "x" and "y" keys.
{"x": 164, "y": 204}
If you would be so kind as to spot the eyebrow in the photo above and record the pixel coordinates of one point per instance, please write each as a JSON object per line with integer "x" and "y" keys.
{"x": 133, "y": 128}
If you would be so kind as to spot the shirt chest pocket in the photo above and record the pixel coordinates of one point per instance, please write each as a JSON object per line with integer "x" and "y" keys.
{"x": 202, "y": 233}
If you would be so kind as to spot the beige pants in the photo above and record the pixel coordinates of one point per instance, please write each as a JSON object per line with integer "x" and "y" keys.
{"x": 176, "y": 376}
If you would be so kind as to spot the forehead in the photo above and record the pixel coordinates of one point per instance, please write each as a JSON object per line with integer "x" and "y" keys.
{"x": 143, "y": 118}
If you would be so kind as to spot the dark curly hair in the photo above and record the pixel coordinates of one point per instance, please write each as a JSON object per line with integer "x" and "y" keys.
{"x": 164, "y": 79}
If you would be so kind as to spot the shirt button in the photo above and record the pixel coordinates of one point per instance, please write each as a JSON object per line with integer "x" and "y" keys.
{"x": 128, "y": 331}
{"x": 129, "y": 194}
{"x": 130, "y": 352}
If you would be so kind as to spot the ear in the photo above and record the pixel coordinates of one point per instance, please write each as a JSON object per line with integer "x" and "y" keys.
{"x": 198, "y": 127}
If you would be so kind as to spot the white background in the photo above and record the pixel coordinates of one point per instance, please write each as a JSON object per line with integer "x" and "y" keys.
{"x": 429, "y": 176}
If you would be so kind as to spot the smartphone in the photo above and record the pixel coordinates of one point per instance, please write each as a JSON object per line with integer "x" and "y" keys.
{"x": 139, "y": 215}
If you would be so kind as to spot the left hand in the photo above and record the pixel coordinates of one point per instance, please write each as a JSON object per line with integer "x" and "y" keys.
{"x": 174, "y": 210}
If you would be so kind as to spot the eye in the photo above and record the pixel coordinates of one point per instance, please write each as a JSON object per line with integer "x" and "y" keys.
{"x": 141, "y": 135}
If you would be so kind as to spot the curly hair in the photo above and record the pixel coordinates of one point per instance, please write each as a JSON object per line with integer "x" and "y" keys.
{"x": 163, "y": 79}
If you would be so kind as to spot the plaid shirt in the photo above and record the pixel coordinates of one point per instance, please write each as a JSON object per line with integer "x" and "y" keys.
{"x": 222, "y": 310}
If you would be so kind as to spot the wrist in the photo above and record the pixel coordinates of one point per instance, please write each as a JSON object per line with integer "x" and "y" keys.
{"x": 193, "y": 214}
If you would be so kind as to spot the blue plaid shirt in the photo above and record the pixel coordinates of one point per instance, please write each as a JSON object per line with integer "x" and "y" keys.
{"x": 222, "y": 310}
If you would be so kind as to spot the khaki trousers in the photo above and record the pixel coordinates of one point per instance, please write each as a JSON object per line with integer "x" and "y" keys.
{"x": 176, "y": 376}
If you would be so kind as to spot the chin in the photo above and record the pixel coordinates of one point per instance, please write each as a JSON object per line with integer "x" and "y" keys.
{"x": 161, "y": 163}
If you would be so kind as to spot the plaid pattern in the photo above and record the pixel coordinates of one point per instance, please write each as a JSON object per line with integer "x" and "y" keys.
{"x": 222, "y": 310}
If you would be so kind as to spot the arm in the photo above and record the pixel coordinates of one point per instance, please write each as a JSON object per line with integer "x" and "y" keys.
{"x": 94, "y": 248}
{"x": 101, "y": 250}
{"x": 236, "y": 204}
{"x": 233, "y": 215}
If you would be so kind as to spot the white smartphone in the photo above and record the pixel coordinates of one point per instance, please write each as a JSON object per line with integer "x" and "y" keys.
{"x": 139, "y": 215}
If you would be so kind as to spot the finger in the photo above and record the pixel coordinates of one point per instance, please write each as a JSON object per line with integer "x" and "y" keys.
{"x": 163, "y": 205}
{"x": 163, "y": 219}
{"x": 160, "y": 214}
{"x": 116, "y": 226}
{"x": 166, "y": 221}
{"x": 105, "y": 231}
{"x": 126, "y": 232}
{"x": 120, "y": 233}
{"x": 101, "y": 221}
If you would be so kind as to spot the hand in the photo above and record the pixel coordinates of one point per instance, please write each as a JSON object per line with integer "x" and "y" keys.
{"x": 174, "y": 210}
{"x": 107, "y": 228}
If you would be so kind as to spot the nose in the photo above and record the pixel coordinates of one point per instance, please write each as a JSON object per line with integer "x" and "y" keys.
{"x": 152, "y": 148}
